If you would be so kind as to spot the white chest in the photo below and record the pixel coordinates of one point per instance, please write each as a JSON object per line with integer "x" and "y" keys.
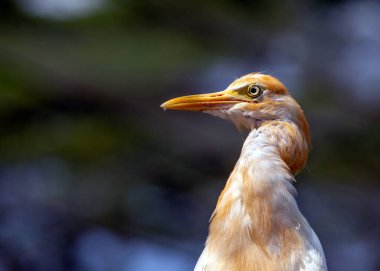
{"x": 257, "y": 224}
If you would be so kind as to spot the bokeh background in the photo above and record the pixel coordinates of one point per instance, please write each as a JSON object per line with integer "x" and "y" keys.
{"x": 95, "y": 176}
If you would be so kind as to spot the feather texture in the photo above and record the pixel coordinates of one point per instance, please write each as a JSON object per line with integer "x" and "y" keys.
{"x": 256, "y": 225}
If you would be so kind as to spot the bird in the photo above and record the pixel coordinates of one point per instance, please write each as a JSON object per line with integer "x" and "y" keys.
{"x": 257, "y": 225}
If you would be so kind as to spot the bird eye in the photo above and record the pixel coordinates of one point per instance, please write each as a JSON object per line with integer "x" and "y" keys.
{"x": 254, "y": 91}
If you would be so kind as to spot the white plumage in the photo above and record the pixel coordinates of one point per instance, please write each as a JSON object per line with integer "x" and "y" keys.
{"x": 257, "y": 225}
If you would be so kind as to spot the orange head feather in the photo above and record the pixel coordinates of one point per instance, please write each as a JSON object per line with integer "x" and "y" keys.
{"x": 254, "y": 100}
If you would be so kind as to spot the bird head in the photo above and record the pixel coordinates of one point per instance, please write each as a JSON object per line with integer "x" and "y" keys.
{"x": 252, "y": 101}
{"x": 248, "y": 101}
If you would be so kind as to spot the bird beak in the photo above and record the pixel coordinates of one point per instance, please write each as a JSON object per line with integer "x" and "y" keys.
{"x": 200, "y": 102}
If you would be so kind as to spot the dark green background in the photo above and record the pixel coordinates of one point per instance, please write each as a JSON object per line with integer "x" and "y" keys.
{"x": 95, "y": 176}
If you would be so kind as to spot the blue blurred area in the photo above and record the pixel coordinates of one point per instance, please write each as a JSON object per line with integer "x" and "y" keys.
{"x": 95, "y": 176}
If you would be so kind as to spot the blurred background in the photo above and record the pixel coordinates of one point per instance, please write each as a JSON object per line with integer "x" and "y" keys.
{"x": 95, "y": 176}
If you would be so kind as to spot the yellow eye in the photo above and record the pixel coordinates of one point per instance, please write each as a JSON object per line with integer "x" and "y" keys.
{"x": 254, "y": 91}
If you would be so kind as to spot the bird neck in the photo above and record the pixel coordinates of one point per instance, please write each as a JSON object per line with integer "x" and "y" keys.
{"x": 256, "y": 212}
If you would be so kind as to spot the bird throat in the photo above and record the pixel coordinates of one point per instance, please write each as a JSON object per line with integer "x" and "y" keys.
{"x": 256, "y": 222}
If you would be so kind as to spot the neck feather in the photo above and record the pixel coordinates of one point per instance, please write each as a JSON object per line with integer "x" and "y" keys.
{"x": 256, "y": 212}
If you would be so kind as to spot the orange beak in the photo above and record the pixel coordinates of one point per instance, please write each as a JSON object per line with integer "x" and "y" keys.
{"x": 200, "y": 102}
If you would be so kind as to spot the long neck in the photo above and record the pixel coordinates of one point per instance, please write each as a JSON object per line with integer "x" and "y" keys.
{"x": 256, "y": 218}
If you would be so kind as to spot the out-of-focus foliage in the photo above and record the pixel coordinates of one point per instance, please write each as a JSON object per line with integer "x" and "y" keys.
{"x": 95, "y": 176}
